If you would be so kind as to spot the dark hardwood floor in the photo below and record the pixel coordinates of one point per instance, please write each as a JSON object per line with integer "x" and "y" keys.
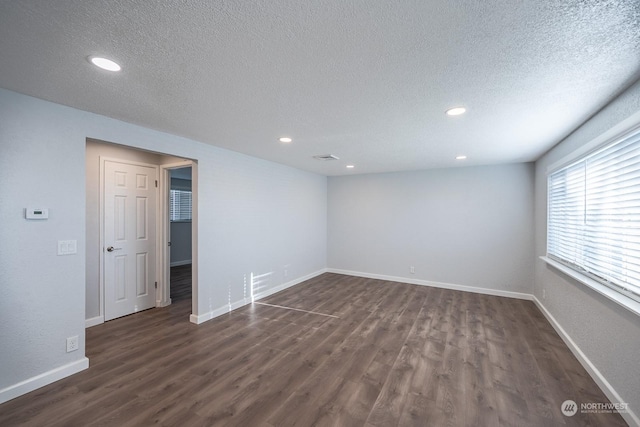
{"x": 180, "y": 283}
{"x": 389, "y": 354}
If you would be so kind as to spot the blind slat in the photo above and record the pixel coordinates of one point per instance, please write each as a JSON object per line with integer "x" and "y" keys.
{"x": 180, "y": 205}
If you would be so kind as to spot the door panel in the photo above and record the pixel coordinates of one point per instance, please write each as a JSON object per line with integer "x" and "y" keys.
{"x": 141, "y": 218}
{"x": 143, "y": 272}
{"x": 120, "y": 278}
{"x": 130, "y": 238}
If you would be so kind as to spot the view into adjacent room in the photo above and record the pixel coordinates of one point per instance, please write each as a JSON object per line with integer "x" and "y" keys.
{"x": 180, "y": 209}
{"x": 174, "y": 217}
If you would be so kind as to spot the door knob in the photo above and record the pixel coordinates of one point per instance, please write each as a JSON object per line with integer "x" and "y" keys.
{"x": 111, "y": 249}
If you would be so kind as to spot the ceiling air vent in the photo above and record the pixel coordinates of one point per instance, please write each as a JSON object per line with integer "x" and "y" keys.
{"x": 326, "y": 157}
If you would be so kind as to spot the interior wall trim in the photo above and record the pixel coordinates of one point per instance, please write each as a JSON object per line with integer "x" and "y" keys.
{"x": 93, "y": 321}
{"x": 179, "y": 263}
{"x": 197, "y": 319}
{"x": 30, "y": 384}
{"x": 486, "y": 291}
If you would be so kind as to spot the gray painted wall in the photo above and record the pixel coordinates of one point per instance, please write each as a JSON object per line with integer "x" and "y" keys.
{"x": 464, "y": 226}
{"x": 254, "y": 216}
{"x": 180, "y": 243}
{"x": 607, "y": 334}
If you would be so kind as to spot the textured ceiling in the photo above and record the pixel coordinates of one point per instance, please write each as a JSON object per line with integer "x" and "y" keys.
{"x": 366, "y": 80}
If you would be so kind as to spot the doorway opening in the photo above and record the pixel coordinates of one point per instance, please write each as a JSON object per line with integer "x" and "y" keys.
{"x": 180, "y": 233}
{"x": 151, "y": 274}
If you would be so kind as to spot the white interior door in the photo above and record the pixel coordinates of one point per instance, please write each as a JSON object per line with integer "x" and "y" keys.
{"x": 129, "y": 238}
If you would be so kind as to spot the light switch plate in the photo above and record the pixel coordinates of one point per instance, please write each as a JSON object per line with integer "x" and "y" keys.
{"x": 67, "y": 247}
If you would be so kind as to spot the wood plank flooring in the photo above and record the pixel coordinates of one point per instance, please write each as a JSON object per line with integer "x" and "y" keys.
{"x": 393, "y": 355}
{"x": 180, "y": 283}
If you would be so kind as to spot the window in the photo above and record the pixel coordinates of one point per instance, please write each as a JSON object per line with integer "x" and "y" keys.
{"x": 594, "y": 215}
{"x": 180, "y": 205}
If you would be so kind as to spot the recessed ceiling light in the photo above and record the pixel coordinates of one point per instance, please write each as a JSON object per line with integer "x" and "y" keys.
{"x": 285, "y": 139}
{"x": 461, "y": 157}
{"x": 456, "y": 111}
{"x": 350, "y": 166}
{"x": 104, "y": 63}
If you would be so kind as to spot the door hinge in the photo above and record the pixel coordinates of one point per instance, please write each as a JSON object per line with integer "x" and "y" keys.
{"x": 168, "y": 243}
{"x": 156, "y": 285}
{"x": 156, "y": 183}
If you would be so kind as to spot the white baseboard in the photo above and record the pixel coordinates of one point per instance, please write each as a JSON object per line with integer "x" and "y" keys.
{"x": 197, "y": 319}
{"x": 486, "y": 291}
{"x": 93, "y": 321}
{"x": 160, "y": 304}
{"x": 289, "y": 284}
{"x": 630, "y": 417}
{"x": 178, "y": 263}
{"x": 42, "y": 380}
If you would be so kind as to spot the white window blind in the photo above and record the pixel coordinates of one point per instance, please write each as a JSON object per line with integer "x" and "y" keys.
{"x": 180, "y": 205}
{"x": 594, "y": 216}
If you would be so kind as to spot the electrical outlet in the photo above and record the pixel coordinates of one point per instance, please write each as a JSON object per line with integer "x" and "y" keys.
{"x": 72, "y": 344}
{"x": 412, "y": 270}
{"x": 544, "y": 294}
{"x": 286, "y": 272}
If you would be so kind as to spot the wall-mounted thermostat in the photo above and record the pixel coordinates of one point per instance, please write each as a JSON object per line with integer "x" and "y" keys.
{"x": 37, "y": 213}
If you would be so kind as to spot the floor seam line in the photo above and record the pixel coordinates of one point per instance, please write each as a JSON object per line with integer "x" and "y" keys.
{"x": 296, "y": 309}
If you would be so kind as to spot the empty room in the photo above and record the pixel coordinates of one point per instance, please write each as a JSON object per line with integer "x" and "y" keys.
{"x": 331, "y": 213}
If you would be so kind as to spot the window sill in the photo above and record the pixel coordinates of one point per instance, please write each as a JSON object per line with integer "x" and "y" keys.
{"x": 624, "y": 301}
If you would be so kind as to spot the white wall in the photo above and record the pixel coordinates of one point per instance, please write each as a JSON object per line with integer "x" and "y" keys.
{"x": 607, "y": 334}
{"x": 462, "y": 226}
{"x": 254, "y": 216}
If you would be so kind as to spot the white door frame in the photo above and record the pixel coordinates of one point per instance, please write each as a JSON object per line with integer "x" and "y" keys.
{"x": 104, "y": 159}
{"x": 164, "y": 291}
